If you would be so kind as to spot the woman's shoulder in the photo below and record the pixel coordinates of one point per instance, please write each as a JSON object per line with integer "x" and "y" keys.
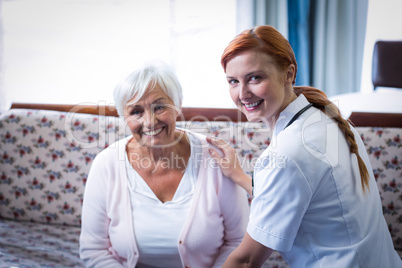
{"x": 312, "y": 131}
{"x": 115, "y": 150}
{"x": 196, "y": 140}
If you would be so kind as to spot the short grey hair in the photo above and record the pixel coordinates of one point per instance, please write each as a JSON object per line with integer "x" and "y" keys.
{"x": 145, "y": 78}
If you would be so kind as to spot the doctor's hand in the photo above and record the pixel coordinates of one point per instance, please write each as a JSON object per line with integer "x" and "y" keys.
{"x": 229, "y": 163}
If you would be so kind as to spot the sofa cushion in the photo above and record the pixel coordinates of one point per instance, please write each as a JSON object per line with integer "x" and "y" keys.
{"x": 29, "y": 244}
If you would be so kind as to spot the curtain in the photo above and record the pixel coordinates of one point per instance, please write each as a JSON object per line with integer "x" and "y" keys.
{"x": 3, "y": 104}
{"x": 299, "y": 37}
{"x": 271, "y": 12}
{"x": 244, "y": 15}
{"x": 327, "y": 37}
{"x": 338, "y": 29}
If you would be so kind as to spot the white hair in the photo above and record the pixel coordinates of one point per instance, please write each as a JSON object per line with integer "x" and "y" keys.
{"x": 145, "y": 78}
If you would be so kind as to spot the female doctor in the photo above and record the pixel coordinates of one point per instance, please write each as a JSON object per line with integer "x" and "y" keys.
{"x": 315, "y": 197}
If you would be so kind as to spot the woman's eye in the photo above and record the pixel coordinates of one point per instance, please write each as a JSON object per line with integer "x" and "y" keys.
{"x": 232, "y": 81}
{"x": 135, "y": 112}
{"x": 159, "y": 108}
{"x": 255, "y": 78}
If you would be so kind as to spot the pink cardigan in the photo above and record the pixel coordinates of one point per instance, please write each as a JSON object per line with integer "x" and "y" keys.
{"x": 216, "y": 225}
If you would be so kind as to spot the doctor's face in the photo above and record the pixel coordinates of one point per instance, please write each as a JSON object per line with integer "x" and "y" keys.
{"x": 257, "y": 86}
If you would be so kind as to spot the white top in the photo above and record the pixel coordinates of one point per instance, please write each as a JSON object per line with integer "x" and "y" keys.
{"x": 158, "y": 225}
{"x": 309, "y": 203}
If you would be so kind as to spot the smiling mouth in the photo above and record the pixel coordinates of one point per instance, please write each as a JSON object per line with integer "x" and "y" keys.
{"x": 252, "y": 106}
{"x": 153, "y": 133}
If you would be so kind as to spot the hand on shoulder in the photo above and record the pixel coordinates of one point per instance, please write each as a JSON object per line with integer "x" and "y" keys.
{"x": 228, "y": 160}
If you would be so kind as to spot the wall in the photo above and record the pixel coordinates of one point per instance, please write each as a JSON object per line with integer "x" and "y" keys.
{"x": 75, "y": 51}
{"x": 384, "y": 21}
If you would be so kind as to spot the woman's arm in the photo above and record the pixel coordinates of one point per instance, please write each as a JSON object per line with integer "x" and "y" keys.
{"x": 235, "y": 209}
{"x": 230, "y": 164}
{"x": 250, "y": 253}
{"x": 94, "y": 239}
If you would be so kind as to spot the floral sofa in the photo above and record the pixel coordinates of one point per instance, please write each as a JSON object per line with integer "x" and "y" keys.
{"x": 45, "y": 157}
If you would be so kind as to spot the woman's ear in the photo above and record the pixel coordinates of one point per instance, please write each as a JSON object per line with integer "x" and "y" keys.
{"x": 290, "y": 73}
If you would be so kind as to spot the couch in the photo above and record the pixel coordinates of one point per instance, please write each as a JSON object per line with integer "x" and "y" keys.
{"x": 46, "y": 152}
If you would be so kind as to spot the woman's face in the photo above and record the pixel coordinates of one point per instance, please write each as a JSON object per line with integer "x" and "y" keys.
{"x": 152, "y": 119}
{"x": 258, "y": 87}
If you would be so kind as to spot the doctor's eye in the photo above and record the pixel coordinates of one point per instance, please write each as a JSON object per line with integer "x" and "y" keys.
{"x": 233, "y": 81}
{"x": 255, "y": 78}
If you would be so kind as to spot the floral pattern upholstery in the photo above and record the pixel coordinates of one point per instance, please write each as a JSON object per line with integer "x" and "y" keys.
{"x": 45, "y": 157}
{"x": 384, "y": 147}
{"x": 33, "y": 245}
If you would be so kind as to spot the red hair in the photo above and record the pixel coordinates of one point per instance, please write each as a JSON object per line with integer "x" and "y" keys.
{"x": 265, "y": 39}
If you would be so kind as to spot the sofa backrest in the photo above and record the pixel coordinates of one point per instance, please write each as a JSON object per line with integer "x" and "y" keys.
{"x": 45, "y": 158}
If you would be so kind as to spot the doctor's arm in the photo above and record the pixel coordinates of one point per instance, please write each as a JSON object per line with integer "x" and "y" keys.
{"x": 250, "y": 253}
{"x": 229, "y": 163}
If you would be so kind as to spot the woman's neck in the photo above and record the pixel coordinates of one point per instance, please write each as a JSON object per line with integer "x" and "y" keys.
{"x": 291, "y": 97}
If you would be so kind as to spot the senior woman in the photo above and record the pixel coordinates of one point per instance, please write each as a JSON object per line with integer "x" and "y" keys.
{"x": 155, "y": 198}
